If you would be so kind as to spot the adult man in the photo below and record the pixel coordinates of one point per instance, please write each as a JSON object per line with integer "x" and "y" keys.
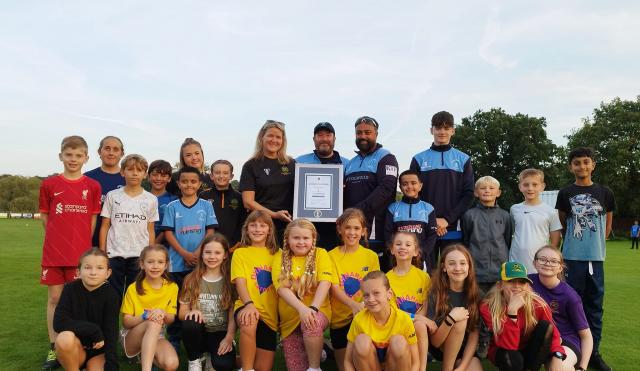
{"x": 370, "y": 182}
{"x": 447, "y": 176}
{"x": 324, "y": 139}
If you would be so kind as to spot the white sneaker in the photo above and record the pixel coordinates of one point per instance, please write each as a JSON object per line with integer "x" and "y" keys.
{"x": 195, "y": 365}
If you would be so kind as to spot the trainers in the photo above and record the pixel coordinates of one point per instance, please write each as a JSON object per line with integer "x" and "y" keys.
{"x": 195, "y": 365}
{"x": 598, "y": 363}
{"x": 51, "y": 363}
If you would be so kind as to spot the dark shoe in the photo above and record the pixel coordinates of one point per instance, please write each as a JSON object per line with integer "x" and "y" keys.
{"x": 51, "y": 363}
{"x": 596, "y": 362}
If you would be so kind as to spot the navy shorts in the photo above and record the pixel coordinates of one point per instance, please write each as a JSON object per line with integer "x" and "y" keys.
{"x": 266, "y": 338}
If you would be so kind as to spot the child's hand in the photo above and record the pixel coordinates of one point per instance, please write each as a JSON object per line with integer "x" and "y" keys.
{"x": 194, "y": 315}
{"x": 226, "y": 345}
{"x": 442, "y": 226}
{"x": 516, "y": 301}
{"x": 431, "y": 326}
{"x": 156, "y": 315}
{"x": 356, "y": 307}
{"x": 459, "y": 313}
{"x": 248, "y": 315}
{"x": 308, "y": 318}
{"x": 190, "y": 259}
{"x": 98, "y": 345}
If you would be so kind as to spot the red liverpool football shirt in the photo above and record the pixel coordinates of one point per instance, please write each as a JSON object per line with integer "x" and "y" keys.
{"x": 70, "y": 205}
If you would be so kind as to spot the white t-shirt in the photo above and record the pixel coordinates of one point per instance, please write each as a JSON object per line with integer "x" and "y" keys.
{"x": 129, "y": 217}
{"x": 532, "y": 226}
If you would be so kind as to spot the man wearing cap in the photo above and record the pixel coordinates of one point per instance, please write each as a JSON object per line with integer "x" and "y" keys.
{"x": 324, "y": 139}
{"x": 370, "y": 182}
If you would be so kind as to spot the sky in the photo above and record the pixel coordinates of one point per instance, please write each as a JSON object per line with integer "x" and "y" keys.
{"x": 154, "y": 73}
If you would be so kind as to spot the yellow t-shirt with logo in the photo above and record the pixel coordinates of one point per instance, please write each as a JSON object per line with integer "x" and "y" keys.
{"x": 349, "y": 270}
{"x": 164, "y": 298}
{"x": 289, "y": 317}
{"x": 254, "y": 265}
{"x": 409, "y": 290}
{"x": 399, "y": 323}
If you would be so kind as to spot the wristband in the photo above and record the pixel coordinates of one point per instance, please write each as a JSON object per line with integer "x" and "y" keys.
{"x": 145, "y": 315}
{"x": 248, "y": 302}
{"x": 446, "y": 322}
{"x": 579, "y": 368}
{"x": 314, "y": 308}
{"x": 512, "y": 316}
{"x": 451, "y": 318}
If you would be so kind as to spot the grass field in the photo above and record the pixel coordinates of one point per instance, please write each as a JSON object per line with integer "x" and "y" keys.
{"x": 23, "y": 336}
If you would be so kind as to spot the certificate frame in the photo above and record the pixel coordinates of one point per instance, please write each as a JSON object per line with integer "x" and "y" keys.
{"x": 318, "y": 192}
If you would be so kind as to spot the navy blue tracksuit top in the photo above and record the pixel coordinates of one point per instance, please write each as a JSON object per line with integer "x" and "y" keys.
{"x": 370, "y": 185}
{"x": 415, "y": 216}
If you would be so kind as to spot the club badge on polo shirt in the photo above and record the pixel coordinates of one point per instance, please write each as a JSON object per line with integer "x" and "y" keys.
{"x": 234, "y": 203}
{"x": 267, "y": 171}
{"x": 284, "y": 170}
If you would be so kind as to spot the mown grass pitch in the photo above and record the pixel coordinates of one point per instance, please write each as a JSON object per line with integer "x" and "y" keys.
{"x": 23, "y": 335}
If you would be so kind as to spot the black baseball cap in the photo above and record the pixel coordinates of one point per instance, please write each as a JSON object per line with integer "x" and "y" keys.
{"x": 324, "y": 126}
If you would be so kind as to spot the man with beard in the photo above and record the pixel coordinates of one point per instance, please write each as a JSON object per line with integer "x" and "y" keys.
{"x": 370, "y": 183}
{"x": 324, "y": 139}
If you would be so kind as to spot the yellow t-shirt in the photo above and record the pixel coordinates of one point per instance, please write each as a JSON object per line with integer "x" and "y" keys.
{"x": 409, "y": 290}
{"x": 164, "y": 298}
{"x": 254, "y": 265}
{"x": 399, "y": 323}
{"x": 289, "y": 317}
{"x": 349, "y": 270}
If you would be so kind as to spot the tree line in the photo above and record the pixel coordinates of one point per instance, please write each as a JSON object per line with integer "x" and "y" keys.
{"x": 501, "y": 145}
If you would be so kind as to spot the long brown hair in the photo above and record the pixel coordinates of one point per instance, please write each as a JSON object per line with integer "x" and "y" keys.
{"x": 187, "y": 142}
{"x": 191, "y": 285}
{"x": 142, "y": 274}
{"x": 262, "y": 216}
{"x": 441, "y": 286}
{"x": 308, "y": 281}
{"x": 353, "y": 213}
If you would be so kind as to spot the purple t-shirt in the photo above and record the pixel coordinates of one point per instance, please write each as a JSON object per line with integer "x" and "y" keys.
{"x": 566, "y": 308}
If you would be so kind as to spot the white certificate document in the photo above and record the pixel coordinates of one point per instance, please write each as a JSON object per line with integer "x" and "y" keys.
{"x": 318, "y": 191}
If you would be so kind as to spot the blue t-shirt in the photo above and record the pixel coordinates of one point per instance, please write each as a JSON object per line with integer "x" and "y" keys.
{"x": 163, "y": 201}
{"x": 586, "y": 209}
{"x": 635, "y": 230}
{"x": 189, "y": 224}
{"x": 108, "y": 182}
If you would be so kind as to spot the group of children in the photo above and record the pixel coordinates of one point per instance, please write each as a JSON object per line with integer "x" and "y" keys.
{"x": 183, "y": 279}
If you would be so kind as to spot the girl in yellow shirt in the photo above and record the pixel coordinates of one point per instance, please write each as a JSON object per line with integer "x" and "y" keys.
{"x": 381, "y": 336}
{"x": 302, "y": 275}
{"x": 148, "y": 305}
{"x": 351, "y": 263}
{"x": 410, "y": 285}
{"x": 256, "y": 310}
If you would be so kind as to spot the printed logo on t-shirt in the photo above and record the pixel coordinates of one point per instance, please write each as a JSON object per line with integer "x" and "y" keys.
{"x": 64, "y": 208}
{"x": 188, "y": 229}
{"x": 584, "y": 210}
{"x": 57, "y": 193}
{"x": 59, "y": 208}
{"x": 202, "y": 215}
{"x": 408, "y": 303}
{"x": 425, "y": 165}
{"x": 351, "y": 283}
{"x": 85, "y": 192}
{"x": 262, "y": 276}
{"x": 555, "y": 306}
{"x": 284, "y": 170}
{"x": 391, "y": 170}
{"x": 412, "y": 228}
{"x": 267, "y": 171}
{"x": 234, "y": 203}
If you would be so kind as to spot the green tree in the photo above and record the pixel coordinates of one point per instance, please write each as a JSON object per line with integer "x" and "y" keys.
{"x": 502, "y": 145}
{"x": 19, "y": 194}
{"x": 614, "y": 134}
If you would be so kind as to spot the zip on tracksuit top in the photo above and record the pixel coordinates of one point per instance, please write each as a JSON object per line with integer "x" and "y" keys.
{"x": 415, "y": 216}
{"x": 370, "y": 185}
{"x": 447, "y": 178}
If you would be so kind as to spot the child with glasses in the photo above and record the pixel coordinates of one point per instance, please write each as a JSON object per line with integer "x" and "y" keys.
{"x": 566, "y": 307}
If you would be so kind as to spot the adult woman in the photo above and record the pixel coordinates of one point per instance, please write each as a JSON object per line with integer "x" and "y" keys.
{"x": 266, "y": 181}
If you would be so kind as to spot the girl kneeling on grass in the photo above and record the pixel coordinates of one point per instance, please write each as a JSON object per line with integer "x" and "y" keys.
{"x": 351, "y": 263}
{"x": 149, "y": 304}
{"x": 453, "y": 311}
{"x": 523, "y": 334}
{"x": 568, "y": 314}
{"x": 206, "y": 306}
{"x": 381, "y": 336}
{"x": 302, "y": 275}
{"x": 256, "y": 310}
{"x": 86, "y": 317}
{"x": 410, "y": 285}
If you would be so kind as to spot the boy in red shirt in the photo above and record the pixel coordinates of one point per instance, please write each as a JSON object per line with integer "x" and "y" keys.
{"x": 69, "y": 205}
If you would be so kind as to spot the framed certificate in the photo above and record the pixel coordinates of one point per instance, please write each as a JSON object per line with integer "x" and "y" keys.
{"x": 318, "y": 192}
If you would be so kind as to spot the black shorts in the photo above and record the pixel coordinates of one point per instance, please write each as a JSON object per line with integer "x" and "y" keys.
{"x": 90, "y": 354}
{"x": 575, "y": 349}
{"x": 437, "y": 353}
{"x": 339, "y": 336}
{"x": 266, "y": 338}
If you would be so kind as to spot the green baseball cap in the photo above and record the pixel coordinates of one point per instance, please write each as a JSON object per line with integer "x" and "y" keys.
{"x": 512, "y": 270}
